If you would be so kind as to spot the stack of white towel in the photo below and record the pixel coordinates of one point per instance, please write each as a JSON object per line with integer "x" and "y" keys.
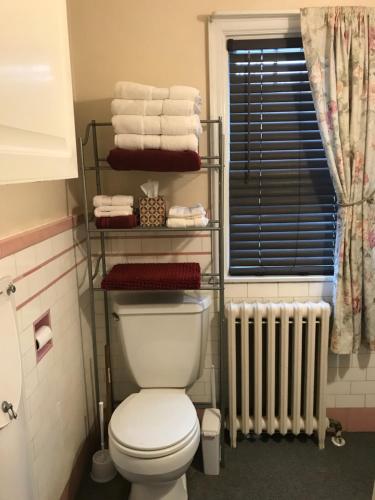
{"x": 146, "y": 117}
{"x": 113, "y": 206}
{"x": 183, "y": 217}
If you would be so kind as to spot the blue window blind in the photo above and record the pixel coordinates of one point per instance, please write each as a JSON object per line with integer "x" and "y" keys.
{"x": 282, "y": 201}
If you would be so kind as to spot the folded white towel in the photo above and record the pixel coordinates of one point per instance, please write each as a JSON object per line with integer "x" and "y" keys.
{"x": 155, "y": 108}
{"x": 157, "y": 125}
{"x": 137, "y": 141}
{"x": 166, "y": 142}
{"x": 131, "y": 90}
{"x": 183, "y": 223}
{"x": 136, "y": 124}
{"x": 181, "y": 125}
{"x": 184, "y": 93}
{"x": 117, "y": 200}
{"x": 177, "y": 211}
{"x": 114, "y": 212}
{"x": 137, "y": 107}
{"x": 181, "y": 107}
{"x": 179, "y": 142}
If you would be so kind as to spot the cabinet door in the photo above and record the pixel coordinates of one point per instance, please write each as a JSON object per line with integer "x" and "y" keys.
{"x": 37, "y": 138}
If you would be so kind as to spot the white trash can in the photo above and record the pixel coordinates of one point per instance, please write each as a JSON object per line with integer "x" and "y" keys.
{"x": 211, "y": 441}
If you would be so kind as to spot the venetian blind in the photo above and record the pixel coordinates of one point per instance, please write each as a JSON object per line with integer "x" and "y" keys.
{"x": 282, "y": 202}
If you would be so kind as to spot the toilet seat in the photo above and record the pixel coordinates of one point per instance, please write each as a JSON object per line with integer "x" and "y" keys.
{"x": 154, "y": 423}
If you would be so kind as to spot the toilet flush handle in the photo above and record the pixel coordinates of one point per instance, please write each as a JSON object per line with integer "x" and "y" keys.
{"x": 8, "y": 408}
{"x": 115, "y": 317}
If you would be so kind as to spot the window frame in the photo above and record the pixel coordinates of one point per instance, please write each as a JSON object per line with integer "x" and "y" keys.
{"x": 245, "y": 25}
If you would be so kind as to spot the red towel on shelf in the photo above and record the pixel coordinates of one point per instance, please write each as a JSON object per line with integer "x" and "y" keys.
{"x": 118, "y": 222}
{"x": 154, "y": 160}
{"x": 170, "y": 276}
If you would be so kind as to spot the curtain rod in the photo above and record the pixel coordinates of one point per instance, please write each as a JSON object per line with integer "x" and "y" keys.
{"x": 252, "y": 13}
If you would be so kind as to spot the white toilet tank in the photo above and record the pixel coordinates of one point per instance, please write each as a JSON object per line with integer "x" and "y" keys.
{"x": 163, "y": 335}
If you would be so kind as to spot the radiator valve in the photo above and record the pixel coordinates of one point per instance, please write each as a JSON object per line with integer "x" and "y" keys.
{"x": 337, "y": 438}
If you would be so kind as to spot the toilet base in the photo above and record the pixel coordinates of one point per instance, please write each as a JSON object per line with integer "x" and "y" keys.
{"x": 171, "y": 490}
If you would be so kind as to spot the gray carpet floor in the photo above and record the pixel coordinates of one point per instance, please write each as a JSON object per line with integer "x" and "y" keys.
{"x": 274, "y": 468}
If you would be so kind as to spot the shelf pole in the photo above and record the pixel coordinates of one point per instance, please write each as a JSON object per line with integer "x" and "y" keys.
{"x": 104, "y": 270}
{"x": 90, "y": 277}
{"x": 222, "y": 323}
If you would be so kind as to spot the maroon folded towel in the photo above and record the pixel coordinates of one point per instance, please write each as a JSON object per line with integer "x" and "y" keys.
{"x": 118, "y": 222}
{"x": 155, "y": 160}
{"x": 174, "y": 276}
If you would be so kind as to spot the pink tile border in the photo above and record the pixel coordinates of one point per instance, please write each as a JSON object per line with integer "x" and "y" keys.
{"x": 32, "y": 297}
{"x": 20, "y": 241}
{"x": 51, "y": 259}
{"x": 354, "y": 419}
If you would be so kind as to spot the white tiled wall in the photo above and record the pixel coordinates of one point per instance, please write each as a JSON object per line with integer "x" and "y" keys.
{"x": 154, "y": 248}
{"x": 352, "y": 385}
{"x": 54, "y": 394}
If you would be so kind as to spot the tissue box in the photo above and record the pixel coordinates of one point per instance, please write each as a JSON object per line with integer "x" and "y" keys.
{"x": 152, "y": 211}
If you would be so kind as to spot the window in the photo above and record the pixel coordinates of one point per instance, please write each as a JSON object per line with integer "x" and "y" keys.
{"x": 282, "y": 206}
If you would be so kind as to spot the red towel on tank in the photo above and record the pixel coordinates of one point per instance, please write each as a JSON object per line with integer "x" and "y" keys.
{"x": 154, "y": 160}
{"x": 169, "y": 276}
{"x": 118, "y": 222}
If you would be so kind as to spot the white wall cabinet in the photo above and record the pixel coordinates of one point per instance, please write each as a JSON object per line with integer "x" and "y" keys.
{"x": 37, "y": 136}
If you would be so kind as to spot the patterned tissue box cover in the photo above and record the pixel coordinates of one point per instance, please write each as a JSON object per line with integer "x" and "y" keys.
{"x": 152, "y": 211}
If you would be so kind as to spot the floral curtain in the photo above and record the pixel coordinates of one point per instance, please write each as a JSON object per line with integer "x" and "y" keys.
{"x": 339, "y": 44}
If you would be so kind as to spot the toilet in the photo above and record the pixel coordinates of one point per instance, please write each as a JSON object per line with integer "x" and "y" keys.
{"x": 154, "y": 433}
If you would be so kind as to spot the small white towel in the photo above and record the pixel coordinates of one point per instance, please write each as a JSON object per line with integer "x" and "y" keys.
{"x": 181, "y": 125}
{"x": 183, "y": 223}
{"x": 166, "y": 142}
{"x": 131, "y": 90}
{"x": 114, "y": 212}
{"x": 180, "y": 107}
{"x": 136, "y": 124}
{"x": 184, "y": 92}
{"x": 137, "y": 107}
{"x": 117, "y": 200}
{"x": 177, "y": 211}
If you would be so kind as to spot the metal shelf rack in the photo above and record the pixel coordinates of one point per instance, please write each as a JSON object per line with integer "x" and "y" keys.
{"x": 209, "y": 281}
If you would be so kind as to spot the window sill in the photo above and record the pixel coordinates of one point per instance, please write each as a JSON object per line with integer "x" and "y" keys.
{"x": 277, "y": 279}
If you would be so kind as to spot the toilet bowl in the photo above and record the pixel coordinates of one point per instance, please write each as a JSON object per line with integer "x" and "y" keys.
{"x": 154, "y": 433}
{"x": 153, "y": 436}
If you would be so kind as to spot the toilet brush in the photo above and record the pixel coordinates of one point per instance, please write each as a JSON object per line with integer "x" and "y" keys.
{"x": 102, "y": 469}
{"x": 101, "y": 424}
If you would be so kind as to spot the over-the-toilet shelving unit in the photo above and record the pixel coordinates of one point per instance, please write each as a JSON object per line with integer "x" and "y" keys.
{"x": 213, "y": 281}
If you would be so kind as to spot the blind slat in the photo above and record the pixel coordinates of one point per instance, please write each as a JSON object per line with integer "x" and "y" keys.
{"x": 281, "y": 244}
{"x": 294, "y": 270}
{"x": 245, "y": 87}
{"x": 270, "y": 97}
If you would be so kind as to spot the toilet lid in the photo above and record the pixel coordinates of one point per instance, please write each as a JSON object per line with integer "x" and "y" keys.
{"x": 153, "y": 419}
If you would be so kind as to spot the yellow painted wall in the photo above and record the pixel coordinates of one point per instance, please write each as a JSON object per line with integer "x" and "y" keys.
{"x": 24, "y": 206}
{"x": 159, "y": 43}
{"x": 154, "y": 42}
